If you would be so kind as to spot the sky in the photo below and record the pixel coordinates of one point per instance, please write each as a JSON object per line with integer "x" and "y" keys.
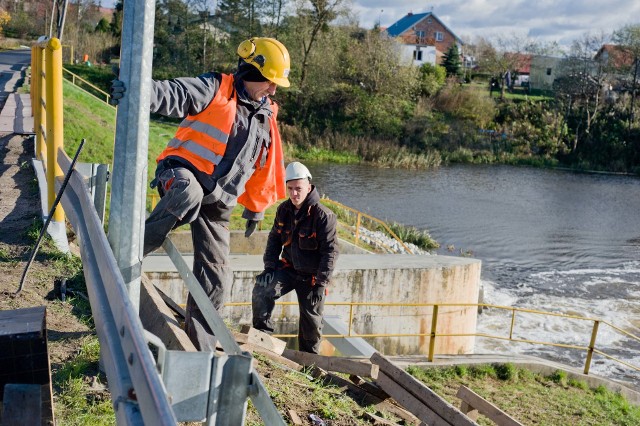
{"x": 545, "y": 21}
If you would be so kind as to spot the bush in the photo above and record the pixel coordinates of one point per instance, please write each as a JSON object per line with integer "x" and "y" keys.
{"x": 506, "y": 371}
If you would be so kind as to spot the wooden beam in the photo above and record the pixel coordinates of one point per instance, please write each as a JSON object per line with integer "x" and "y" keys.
{"x": 410, "y": 402}
{"x": 271, "y": 355}
{"x": 260, "y": 338}
{"x": 372, "y": 388}
{"x": 362, "y": 368}
{"x": 377, "y": 420}
{"x": 486, "y": 408}
{"x": 295, "y": 418}
{"x": 421, "y": 392}
{"x": 171, "y": 303}
{"x": 364, "y": 398}
{"x": 158, "y": 319}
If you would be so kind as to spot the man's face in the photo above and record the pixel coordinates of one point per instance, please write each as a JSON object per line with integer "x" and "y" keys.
{"x": 298, "y": 190}
{"x": 259, "y": 89}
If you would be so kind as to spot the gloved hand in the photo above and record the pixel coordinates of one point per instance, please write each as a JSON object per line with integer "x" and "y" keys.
{"x": 316, "y": 294}
{"x": 251, "y": 227}
{"x": 116, "y": 91}
{"x": 265, "y": 278}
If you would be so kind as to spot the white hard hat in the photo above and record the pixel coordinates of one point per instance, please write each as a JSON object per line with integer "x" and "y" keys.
{"x": 297, "y": 170}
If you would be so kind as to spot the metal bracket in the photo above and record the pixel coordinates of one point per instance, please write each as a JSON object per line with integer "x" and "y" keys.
{"x": 203, "y": 386}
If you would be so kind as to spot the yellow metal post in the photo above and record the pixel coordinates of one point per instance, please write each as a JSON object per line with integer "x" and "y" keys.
{"x": 53, "y": 58}
{"x": 36, "y": 101}
{"x": 432, "y": 339}
{"x": 592, "y": 345}
{"x": 42, "y": 86}
{"x": 513, "y": 321}
{"x": 358, "y": 216}
{"x": 350, "y": 317}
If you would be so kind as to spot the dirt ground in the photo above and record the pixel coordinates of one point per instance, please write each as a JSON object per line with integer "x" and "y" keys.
{"x": 19, "y": 213}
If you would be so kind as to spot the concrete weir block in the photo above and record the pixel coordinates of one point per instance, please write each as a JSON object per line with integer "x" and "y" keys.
{"x": 383, "y": 279}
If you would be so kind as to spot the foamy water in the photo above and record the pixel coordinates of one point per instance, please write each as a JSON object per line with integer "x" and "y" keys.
{"x": 584, "y": 290}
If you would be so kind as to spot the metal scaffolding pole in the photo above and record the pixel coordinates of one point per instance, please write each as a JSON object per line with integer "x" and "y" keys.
{"x": 128, "y": 187}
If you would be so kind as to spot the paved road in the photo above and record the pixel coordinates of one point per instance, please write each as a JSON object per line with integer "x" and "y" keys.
{"x": 15, "y": 116}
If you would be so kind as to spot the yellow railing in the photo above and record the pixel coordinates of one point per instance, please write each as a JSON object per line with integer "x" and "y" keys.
{"x": 46, "y": 104}
{"x": 74, "y": 77}
{"x": 433, "y": 334}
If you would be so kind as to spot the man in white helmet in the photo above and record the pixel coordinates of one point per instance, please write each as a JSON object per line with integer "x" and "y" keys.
{"x": 227, "y": 150}
{"x": 300, "y": 255}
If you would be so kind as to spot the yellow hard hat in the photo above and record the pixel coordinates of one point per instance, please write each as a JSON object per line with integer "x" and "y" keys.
{"x": 269, "y": 56}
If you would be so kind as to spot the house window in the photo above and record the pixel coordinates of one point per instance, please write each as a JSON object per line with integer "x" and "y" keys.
{"x": 548, "y": 71}
{"x": 417, "y": 55}
{"x": 439, "y": 36}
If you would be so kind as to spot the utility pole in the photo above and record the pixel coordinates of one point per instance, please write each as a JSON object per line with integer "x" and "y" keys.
{"x": 129, "y": 182}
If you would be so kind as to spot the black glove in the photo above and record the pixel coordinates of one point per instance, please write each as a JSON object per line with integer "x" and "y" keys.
{"x": 265, "y": 278}
{"x": 251, "y": 227}
{"x": 316, "y": 294}
{"x": 116, "y": 91}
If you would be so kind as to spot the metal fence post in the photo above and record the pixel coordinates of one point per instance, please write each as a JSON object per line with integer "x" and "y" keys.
{"x": 128, "y": 186}
{"x": 54, "y": 134}
{"x": 432, "y": 339}
{"x": 592, "y": 345}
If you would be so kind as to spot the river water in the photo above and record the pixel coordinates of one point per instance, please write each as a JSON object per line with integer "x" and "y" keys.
{"x": 548, "y": 240}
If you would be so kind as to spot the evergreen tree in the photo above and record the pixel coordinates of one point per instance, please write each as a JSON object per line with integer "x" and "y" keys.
{"x": 451, "y": 61}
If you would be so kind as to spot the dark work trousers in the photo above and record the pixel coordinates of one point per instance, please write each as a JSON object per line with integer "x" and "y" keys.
{"x": 182, "y": 202}
{"x": 285, "y": 280}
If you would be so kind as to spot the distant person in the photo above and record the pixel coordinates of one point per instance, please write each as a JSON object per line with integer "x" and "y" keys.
{"x": 226, "y": 150}
{"x": 301, "y": 253}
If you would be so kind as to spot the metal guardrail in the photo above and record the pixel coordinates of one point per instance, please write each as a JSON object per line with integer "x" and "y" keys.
{"x": 433, "y": 334}
{"x": 137, "y": 392}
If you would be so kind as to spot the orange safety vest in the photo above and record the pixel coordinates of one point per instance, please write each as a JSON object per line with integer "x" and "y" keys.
{"x": 202, "y": 138}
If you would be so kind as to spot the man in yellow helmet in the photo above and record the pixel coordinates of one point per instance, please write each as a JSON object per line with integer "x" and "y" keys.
{"x": 227, "y": 149}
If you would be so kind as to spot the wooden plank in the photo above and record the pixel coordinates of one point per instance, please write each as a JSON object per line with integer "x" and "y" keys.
{"x": 377, "y": 420}
{"x": 260, "y": 338}
{"x": 363, "y": 398}
{"x": 271, "y": 355}
{"x": 22, "y": 405}
{"x": 471, "y": 412}
{"x": 486, "y": 408}
{"x": 410, "y": 402}
{"x": 362, "y": 368}
{"x": 171, "y": 303}
{"x": 372, "y": 388}
{"x": 295, "y": 418}
{"x": 158, "y": 319}
{"x": 416, "y": 388}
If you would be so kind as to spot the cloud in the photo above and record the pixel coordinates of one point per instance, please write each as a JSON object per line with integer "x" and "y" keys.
{"x": 545, "y": 20}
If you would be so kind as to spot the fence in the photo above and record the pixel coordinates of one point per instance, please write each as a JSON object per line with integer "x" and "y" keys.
{"x": 433, "y": 334}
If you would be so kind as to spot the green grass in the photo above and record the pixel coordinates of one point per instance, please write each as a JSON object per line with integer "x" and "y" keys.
{"x": 532, "y": 398}
{"x": 76, "y": 403}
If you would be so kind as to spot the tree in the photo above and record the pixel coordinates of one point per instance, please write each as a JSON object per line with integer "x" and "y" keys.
{"x": 507, "y": 56}
{"x": 629, "y": 38}
{"x": 451, "y": 61}
{"x": 579, "y": 89}
{"x": 4, "y": 19}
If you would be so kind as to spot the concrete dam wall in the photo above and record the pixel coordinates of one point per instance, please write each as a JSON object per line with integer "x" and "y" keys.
{"x": 369, "y": 278}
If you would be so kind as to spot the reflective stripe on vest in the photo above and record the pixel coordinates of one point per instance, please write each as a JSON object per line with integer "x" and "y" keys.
{"x": 196, "y": 149}
{"x": 201, "y": 139}
{"x": 208, "y": 130}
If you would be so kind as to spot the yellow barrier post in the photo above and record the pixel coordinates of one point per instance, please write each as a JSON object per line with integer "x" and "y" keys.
{"x": 36, "y": 103}
{"x": 350, "y": 317}
{"x": 357, "y": 228}
{"x": 54, "y": 132}
{"x": 592, "y": 345}
{"x": 513, "y": 321}
{"x": 432, "y": 339}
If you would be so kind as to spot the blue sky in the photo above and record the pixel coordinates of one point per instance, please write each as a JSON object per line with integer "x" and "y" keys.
{"x": 561, "y": 21}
